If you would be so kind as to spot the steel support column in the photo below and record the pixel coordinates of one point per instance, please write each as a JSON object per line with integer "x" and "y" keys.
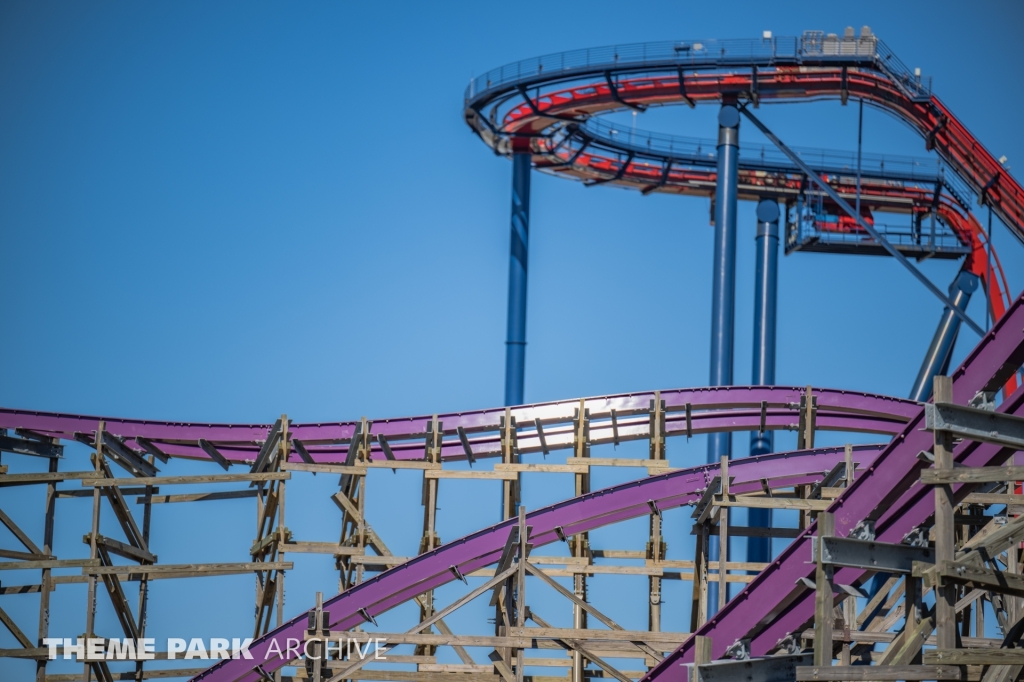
{"x": 515, "y": 339}
{"x": 936, "y": 360}
{"x": 765, "y": 292}
{"x": 723, "y": 294}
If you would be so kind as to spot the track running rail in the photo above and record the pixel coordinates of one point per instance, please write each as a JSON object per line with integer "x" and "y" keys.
{"x": 726, "y": 408}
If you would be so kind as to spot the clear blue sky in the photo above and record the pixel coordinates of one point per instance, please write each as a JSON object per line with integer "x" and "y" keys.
{"x": 227, "y": 211}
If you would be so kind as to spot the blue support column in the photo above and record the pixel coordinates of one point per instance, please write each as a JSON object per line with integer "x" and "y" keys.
{"x": 765, "y": 294}
{"x": 723, "y": 294}
{"x": 515, "y": 339}
{"x": 936, "y": 360}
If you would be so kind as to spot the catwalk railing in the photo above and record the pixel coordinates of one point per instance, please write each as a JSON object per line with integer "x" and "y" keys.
{"x": 515, "y": 106}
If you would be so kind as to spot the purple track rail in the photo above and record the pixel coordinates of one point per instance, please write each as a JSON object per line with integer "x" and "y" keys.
{"x": 726, "y": 408}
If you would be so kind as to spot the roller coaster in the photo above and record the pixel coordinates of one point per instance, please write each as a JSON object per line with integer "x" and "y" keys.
{"x": 880, "y": 527}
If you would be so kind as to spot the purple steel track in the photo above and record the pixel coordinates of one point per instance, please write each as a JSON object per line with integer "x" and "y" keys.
{"x": 726, "y": 408}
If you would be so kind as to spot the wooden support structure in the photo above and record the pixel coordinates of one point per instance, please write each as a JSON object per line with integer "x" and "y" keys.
{"x": 823, "y": 601}
{"x": 656, "y": 547}
{"x": 580, "y": 541}
{"x": 975, "y": 544}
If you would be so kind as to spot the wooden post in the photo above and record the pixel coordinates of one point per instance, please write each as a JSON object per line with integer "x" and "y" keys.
{"x": 699, "y": 611}
{"x": 321, "y": 629}
{"x": 46, "y": 584}
{"x": 283, "y": 457}
{"x": 805, "y": 425}
{"x": 510, "y": 489}
{"x": 701, "y": 653}
{"x": 90, "y": 604}
{"x": 363, "y": 457}
{"x": 581, "y": 447}
{"x": 823, "y": 600}
{"x": 521, "y": 589}
{"x": 270, "y": 527}
{"x": 849, "y": 604}
{"x": 1013, "y": 604}
{"x": 979, "y": 616}
{"x": 350, "y": 486}
{"x": 945, "y": 595}
{"x": 656, "y": 546}
{"x": 912, "y": 609}
{"x": 804, "y": 516}
{"x": 723, "y": 537}
{"x": 147, "y": 518}
{"x": 430, "y": 538}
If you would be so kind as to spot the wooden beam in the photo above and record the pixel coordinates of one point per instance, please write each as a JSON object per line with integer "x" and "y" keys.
{"x": 972, "y": 475}
{"x": 126, "y": 492}
{"x": 185, "y": 480}
{"x": 618, "y": 462}
{"x": 545, "y": 468}
{"x": 26, "y": 479}
{"x": 191, "y": 568}
{"x": 752, "y": 502}
{"x": 24, "y": 556}
{"x": 432, "y": 474}
{"x": 121, "y": 549}
{"x": 517, "y": 638}
{"x": 196, "y": 497}
{"x": 360, "y": 468}
{"x": 21, "y": 589}
{"x": 974, "y": 657}
{"x": 823, "y": 599}
{"x": 48, "y": 563}
{"x": 869, "y": 673}
{"x": 993, "y": 498}
{"x": 20, "y": 534}
{"x": 15, "y": 630}
{"x": 977, "y": 577}
{"x": 332, "y": 548}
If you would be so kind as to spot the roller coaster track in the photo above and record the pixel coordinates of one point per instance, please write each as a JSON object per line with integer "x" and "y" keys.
{"x": 500, "y": 107}
{"x": 576, "y": 154}
{"x": 690, "y": 411}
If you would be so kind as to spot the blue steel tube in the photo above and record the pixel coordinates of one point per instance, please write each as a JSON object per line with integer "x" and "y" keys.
{"x": 936, "y": 360}
{"x": 515, "y": 339}
{"x": 765, "y": 294}
{"x": 723, "y": 292}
